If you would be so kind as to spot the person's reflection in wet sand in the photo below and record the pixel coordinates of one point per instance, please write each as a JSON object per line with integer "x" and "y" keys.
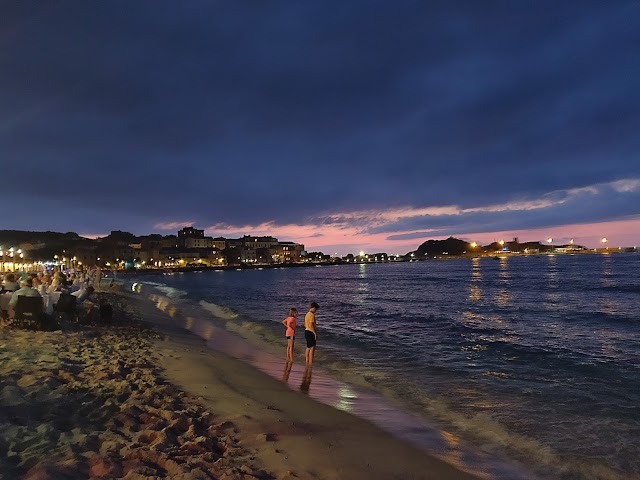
{"x": 287, "y": 371}
{"x": 306, "y": 379}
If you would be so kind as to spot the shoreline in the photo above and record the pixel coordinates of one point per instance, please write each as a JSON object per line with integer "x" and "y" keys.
{"x": 293, "y": 434}
{"x": 348, "y": 395}
{"x": 267, "y": 266}
{"x": 132, "y": 401}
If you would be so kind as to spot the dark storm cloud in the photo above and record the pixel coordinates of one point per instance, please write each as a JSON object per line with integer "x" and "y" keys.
{"x": 133, "y": 114}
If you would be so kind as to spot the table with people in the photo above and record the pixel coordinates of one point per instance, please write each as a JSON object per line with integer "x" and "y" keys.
{"x": 47, "y": 286}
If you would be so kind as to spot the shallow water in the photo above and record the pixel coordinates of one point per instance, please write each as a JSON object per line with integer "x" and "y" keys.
{"x": 515, "y": 363}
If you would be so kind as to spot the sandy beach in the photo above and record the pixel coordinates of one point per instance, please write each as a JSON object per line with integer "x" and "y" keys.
{"x": 143, "y": 398}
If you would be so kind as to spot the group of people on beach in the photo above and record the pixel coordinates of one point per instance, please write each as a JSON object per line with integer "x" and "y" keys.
{"x": 51, "y": 281}
{"x": 79, "y": 284}
{"x": 310, "y": 332}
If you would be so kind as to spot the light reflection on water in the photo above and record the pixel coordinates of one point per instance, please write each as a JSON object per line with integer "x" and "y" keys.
{"x": 607, "y": 279}
{"x": 503, "y": 294}
{"x": 475, "y": 285}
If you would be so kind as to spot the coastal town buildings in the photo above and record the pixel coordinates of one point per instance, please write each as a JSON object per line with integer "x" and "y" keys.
{"x": 191, "y": 248}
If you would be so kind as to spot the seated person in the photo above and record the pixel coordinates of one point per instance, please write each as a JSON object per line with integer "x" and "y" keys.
{"x": 26, "y": 289}
{"x": 36, "y": 283}
{"x": 84, "y": 294}
{"x": 10, "y": 284}
{"x": 84, "y": 302}
{"x": 57, "y": 282}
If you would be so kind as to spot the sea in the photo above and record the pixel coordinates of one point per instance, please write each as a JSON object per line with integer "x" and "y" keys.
{"x": 513, "y": 367}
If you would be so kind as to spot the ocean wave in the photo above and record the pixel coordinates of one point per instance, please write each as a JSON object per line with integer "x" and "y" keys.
{"x": 630, "y": 288}
{"x": 170, "y": 292}
{"x": 601, "y": 317}
{"x": 219, "y": 311}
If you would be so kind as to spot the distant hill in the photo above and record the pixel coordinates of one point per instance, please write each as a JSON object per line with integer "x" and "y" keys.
{"x": 450, "y": 246}
{"x": 41, "y": 245}
{"x": 119, "y": 237}
{"x": 455, "y": 246}
{"x": 12, "y": 238}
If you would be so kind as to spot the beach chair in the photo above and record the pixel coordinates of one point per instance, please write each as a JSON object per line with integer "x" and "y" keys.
{"x": 29, "y": 313}
{"x": 65, "y": 309}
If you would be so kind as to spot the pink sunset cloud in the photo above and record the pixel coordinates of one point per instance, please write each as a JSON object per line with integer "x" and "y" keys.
{"x": 402, "y": 229}
{"x": 338, "y": 239}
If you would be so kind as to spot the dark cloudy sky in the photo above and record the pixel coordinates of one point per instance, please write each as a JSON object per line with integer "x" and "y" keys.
{"x": 346, "y": 126}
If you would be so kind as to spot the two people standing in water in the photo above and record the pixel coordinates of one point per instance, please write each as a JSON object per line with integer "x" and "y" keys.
{"x": 310, "y": 332}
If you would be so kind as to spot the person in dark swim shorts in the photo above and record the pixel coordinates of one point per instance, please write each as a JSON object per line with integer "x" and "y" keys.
{"x": 310, "y": 337}
{"x": 310, "y": 332}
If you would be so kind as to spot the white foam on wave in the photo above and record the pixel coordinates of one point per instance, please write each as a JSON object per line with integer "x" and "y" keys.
{"x": 219, "y": 311}
{"x": 262, "y": 336}
{"x": 170, "y": 291}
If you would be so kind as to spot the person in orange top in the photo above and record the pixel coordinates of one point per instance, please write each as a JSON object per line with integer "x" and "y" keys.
{"x": 290, "y": 323}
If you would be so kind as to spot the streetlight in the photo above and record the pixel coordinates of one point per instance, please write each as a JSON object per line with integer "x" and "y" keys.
{"x": 550, "y": 241}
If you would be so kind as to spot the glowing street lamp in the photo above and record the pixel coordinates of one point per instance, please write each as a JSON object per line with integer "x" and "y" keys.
{"x": 474, "y": 244}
